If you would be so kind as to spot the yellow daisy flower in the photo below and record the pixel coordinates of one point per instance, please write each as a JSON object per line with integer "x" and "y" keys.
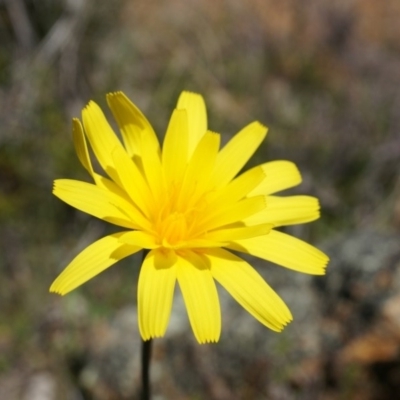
{"x": 186, "y": 205}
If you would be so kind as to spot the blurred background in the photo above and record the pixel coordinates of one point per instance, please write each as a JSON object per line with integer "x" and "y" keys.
{"x": 324, "y": 76}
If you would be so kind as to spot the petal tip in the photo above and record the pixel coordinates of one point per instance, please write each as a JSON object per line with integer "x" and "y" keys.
{"x": 190, "y": 93}
{"x": 55, "y": 290}
{"x": 261, "y": 125}
{"x": 91, "y": 107}
{"x": 118, "y": 93}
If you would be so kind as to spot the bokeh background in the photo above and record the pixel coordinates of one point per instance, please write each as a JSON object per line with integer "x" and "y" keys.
{"x": 324, "y": 76}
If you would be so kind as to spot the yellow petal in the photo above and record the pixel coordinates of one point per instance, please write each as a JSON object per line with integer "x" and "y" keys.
{"x": 80, "y": 146}
{"x": 200, "y": 296}
{"x": 139, "y": 238}
{"x": 200, "y": 244}
{"x": 151, "y": 164}
{"x": 139, "y": 138}
{"x": 249, "y": 289}
{"x": 279, "y": 175}
{"x": 109, "y": 185}
{"x": 235, "y": 233}
{"x": 132, "y": 180}
{"x": 237, "y": 152}
{"x": 91, "y": 261}
{"x": 287, "y": 211}
{"x": 101, "y": 137}
{"x": 133, "y": 124}
{"x": 100, "y": 203}
{"x": 83, "y": 155}
{"x": 232, "y": 213}
{"x": 175, "y": 147}
{"x": 203, "y": 159}
{"x": 195, "y": 107}
{"x": 239, "y": 187}
{"x": 155, "y": 293}
{"x": 284, "y": 250}
{"x": 199, "y": 170}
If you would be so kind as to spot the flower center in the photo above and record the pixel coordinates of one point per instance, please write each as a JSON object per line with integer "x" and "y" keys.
{"x": 173, "y": 229}
{"x": 177, "y": 217}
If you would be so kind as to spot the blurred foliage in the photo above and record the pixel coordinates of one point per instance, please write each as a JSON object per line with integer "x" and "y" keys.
{"x": 324, "y": 76}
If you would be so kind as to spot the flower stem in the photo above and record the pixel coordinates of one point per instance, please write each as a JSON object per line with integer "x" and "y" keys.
{"x": 146, "y": 358}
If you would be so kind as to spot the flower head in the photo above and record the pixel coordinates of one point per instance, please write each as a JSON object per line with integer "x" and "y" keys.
{"x": 187, "y": 205}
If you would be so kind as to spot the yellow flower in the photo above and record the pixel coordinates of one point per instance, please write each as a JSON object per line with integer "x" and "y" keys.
{"x": 187, "y": 206}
